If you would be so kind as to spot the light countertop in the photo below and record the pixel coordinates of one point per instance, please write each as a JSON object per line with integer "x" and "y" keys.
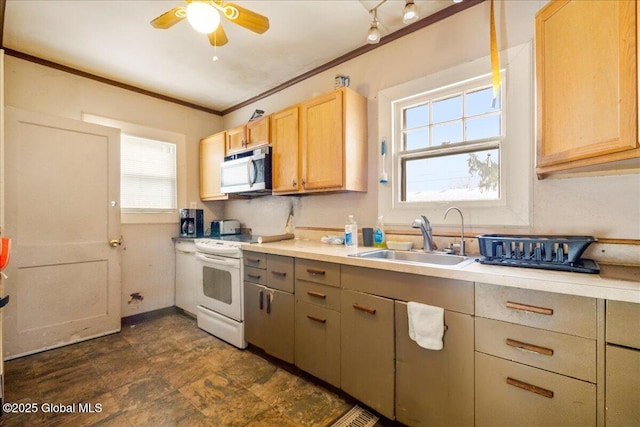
{"x": 614, "y": 282}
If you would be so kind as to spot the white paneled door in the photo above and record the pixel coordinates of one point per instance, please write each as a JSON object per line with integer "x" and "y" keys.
{"x": 62, "y": 193}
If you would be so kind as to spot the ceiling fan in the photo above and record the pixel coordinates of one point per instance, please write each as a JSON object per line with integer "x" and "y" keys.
{"x": 204, "y": 17}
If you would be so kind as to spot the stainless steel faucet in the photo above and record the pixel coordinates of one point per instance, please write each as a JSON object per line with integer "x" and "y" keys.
{"x": 425, "y": 226}
{"x": 462, "y": 233}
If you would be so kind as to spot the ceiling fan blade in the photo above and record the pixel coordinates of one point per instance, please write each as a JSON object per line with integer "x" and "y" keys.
{"x": 218, "y": 37}
{"x": 245, "y": 18}
{"x": 169, "y": 18}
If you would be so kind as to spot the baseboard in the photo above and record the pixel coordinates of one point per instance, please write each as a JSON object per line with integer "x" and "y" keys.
{"x": 137, "y": 318}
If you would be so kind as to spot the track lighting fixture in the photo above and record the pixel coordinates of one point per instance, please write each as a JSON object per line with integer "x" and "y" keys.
{"x": 410, "y": 13}
{"x": 373, "y": 35}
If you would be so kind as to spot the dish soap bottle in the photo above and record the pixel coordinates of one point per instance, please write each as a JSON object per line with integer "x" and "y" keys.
{"x": 379, "y": 240}
{"x": 351, "y": 233}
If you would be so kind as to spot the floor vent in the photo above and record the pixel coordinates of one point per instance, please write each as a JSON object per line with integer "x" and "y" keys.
{"x": 357, "y": 417}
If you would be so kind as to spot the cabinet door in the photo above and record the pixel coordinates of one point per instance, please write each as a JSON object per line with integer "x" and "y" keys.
{"x": 254, "y": 308}
{"x": 586, "y": 69}
{"x": 236, "y": 139}
{"x": 322, "y": 142}
{"x": 211, "y": 156}
{"x": 367, "y": 350}
{"x": 622, "y": 386}
{"x": 258, "y": 132}
{"x": 278, "y": 334}
{"x": 284, "y": 138}
{"x": 317, "y": 342}
{"x": 435, "y": 387}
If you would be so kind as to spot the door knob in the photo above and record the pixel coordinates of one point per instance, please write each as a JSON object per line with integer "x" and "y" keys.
{"x": 115, "y": 242}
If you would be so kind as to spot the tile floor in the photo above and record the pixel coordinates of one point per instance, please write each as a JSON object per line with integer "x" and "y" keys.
{"x": 163, "y": 372}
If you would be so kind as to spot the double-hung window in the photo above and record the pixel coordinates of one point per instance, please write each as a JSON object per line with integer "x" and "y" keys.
{"x": 450, "y": 142}
{"x": 152, "y": 172}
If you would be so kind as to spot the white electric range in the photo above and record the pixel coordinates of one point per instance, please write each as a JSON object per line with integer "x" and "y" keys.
{"x": 220, "y": 295}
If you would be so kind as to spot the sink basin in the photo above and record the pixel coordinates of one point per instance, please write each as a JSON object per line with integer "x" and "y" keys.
{"x": 414, "y": 257}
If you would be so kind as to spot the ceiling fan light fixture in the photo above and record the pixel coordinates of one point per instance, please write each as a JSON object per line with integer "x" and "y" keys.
{"x": 202, "y": 17}
{"x": 410, "y": 13}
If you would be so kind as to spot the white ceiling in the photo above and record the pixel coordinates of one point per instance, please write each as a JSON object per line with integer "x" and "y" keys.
{"x": 114, "y": 40}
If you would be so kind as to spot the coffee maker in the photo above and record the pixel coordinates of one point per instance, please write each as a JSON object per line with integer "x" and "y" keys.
{"x": 191, "y": 223}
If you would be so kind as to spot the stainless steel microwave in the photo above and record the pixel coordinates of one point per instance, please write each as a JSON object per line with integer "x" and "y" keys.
{"x": 247, "y": 172}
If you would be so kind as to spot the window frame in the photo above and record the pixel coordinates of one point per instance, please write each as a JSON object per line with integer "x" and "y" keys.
{"x": 516, "y": 153}
{"x": 152, "y": 217}
{"x": 460, "y": 147}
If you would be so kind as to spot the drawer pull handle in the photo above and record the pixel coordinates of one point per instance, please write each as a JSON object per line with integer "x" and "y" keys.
{"x": 316, "y": 294}
{"x": 316, "y": 319}
{"x": 530, "y": 308}
{"x": 279, "y": 273}
{"x": 254, "y": 260}
{"x": 365, "y": 309}
{"x": 530, "y": 347}
{"x": 315, "y": 272}
{"x": 254, "y": 276}
{"x": 529, "y": 387}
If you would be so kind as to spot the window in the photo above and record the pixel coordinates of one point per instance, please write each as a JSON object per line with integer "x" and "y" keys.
{"x": 153, "y": 177}
{"x": 449, "y": 145}
{"x": 147, "y": 175}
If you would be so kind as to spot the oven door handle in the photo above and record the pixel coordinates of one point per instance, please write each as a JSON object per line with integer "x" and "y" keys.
{"x": 216, "y": 261}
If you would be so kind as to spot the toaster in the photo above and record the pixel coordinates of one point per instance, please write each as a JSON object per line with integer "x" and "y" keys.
{"x": 223, "y": 227}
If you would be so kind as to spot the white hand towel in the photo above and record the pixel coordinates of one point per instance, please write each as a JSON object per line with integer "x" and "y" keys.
{"x": 426, "y": 325}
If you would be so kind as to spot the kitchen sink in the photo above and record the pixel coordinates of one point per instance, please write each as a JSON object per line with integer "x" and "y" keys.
{"x": 415, "y": 257}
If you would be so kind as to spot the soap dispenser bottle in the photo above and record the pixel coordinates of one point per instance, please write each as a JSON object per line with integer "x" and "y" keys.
{"x": 379, "y": 238}
{"x": 351, "y": 233}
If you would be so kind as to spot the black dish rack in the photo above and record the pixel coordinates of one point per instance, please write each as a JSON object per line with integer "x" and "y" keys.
{"x": 543, "y": 251}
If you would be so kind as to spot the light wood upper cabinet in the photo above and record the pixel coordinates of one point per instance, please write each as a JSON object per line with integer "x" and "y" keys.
{"x": 236, "y": 139}
{"x": 333, "y": 142}
{"x": 587, "y": 89}
{"x": 212, "y": 152}
{"x": 250, "y": 135}
{"x": 284, "y": 139}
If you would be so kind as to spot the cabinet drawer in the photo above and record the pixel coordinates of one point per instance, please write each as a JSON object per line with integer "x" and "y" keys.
{"x": 313, "y": 293}
{"x": 280, "y": 272}
{"x": 511, "y": 394}
{"x": 623, "y": 323}
{"x": 255, "y": 259}
{"x": 317, "y": 342}
{"x": 545, "y": 310}
{"x": 325, "y": 273}
{"x": 551, "y": 351}
{"x": 255, "y": 275}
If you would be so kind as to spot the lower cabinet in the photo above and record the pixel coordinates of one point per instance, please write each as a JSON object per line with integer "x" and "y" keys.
{"x": 317, "y": 339}
{"x": 513, "y": 394}
{"x": 622, "y": 386}
{"x": 317, "y": 326}
{"x": 435, "y": 388}
{"x": 622, "y": 399}
{"x": 269, "y": 320}
{"x": 367, "y": 356}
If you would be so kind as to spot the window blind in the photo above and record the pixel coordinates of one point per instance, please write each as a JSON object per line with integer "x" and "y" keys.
{"x": 148, "y": 175}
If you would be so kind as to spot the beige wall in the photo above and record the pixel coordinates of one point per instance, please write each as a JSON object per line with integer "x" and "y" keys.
{"x": 148, "y": 255}
{"x": 602, "y": 206}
